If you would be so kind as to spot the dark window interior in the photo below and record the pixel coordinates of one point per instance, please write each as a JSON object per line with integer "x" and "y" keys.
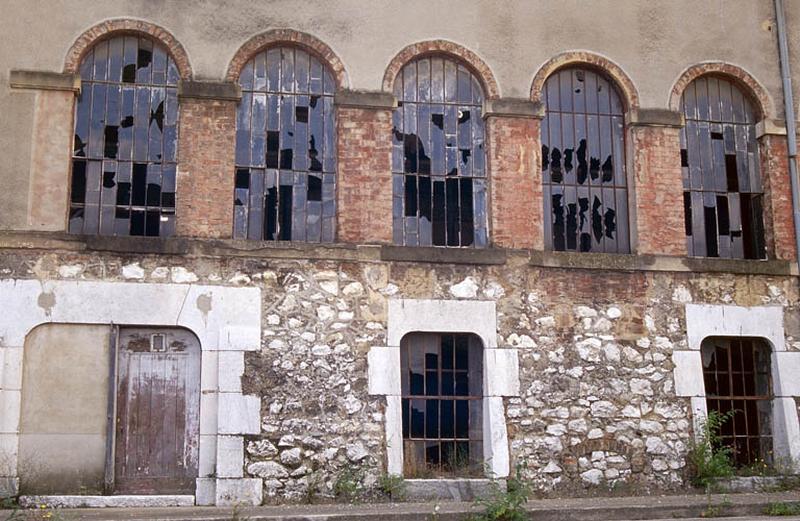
{"x": 442, "y": 405}
{"x": 126, "y": 135}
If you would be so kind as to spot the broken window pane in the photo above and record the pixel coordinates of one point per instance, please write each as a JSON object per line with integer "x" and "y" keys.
{"x": 438, "y": 156}
{"x": 125, "y": 139}
{"x": 721, "y": 177}
{"x": 285, "y": 157}
{"x": 442, "y": 394}
{"x": 583, "y": 164}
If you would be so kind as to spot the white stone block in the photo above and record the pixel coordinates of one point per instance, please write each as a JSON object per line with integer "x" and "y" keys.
{"x": 444, "y": 316}
{"x": 11, "y": 370}
{"x": 501, "y": 372}
{"x": 209, "y": 404}
{"x": 699, "y": 414}
{"x": 205, "y": 493}
{"x": 383, "y": 366}
{"x": 238, "y": 414}
{"x": 208, "y": 455}
{"x": 9, "y": 450}
{"x": 786, "y": 373}
{"x": 394, "y": 435}
{"x": 705, "y": 320}
{"x": 9, "y": 411}
{"x": 688, "y": 373}
{"x": 240, "y": 338}
{"x": 786, "y": 433}
{"x": 241, "y": 491}
{"x": 231, "y": 369}
{"x": 495, "y": 441}
{"x": 230, "y": 456}
{"x": 209, "y": 370}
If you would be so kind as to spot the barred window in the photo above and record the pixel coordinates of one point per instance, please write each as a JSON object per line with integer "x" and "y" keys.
{"x": 442, "y": 392}
{"x": 285, "y": 184}
{"x": 126, "y": 133}
{"x": 723, "y": 195}
{"x": 583, "y": 164}
{"x": 438, "y": 158}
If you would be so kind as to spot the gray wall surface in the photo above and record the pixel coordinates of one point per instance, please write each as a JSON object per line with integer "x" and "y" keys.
{"x": 653, "y": 42}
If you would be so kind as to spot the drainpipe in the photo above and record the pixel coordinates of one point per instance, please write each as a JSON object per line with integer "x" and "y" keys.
{"x": 791, "y": 121}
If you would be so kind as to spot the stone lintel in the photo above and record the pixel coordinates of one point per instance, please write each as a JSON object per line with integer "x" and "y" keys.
{"x": 44, "y": 80}
{"x": 211, "y": 90}
{"x": 362, "y": 99}
{"x": 513, "y": 108}
{"x": 654, "y": 118}
{"x": 771, "y": 127}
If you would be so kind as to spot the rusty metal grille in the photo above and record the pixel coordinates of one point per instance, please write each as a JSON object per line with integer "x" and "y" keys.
{"x": 126, "y": 134}
{"x": 737, "y": 378}
{"x": 442, "y": 405}
{"x": 285, "y": 187}
{"x": 723, "y": 194}
{"x": 438, "y": 157}
{"x": 583, "y": 164}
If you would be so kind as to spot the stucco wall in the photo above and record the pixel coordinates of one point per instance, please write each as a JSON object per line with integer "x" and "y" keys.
{"x": 653, "y": 42}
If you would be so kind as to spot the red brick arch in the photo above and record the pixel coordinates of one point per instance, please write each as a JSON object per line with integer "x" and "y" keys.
{"x": 109, "y": 28}
{"x": 462, "y": 54}
{"x": 277, "y": 37}
{"x": 577, "y": 58}
{"x": 744, "y": 79}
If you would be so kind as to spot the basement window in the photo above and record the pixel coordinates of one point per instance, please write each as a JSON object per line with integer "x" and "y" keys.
{"x": 583, "y": 164}
{"x": 442, "y": 404}
{"x": 737, "y": 378}
{"x": 285, "y": 152}
{"x": 126, "y": 134}
{"x": 438, "y": 157}
{"x": 723, "y": 192}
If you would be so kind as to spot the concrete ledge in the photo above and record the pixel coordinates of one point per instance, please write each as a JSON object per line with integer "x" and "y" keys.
{"x": 365, "y": 99}
{"x": 513, "y": 108}
{"x": 44, "y": 80}
{"x": 443, "y": 255}
{"x": 654, "y": 118}
{"x": 451, "y": 489}
{"x": 211, "y": 90}
{"x": 162, "y": 245}
{"x": 105, "y": 501}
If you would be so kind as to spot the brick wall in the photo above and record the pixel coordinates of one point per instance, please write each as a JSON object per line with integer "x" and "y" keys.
{"x": 364, "y": 170}
{"x": 514, "y": 166}
{"x": 206, "y": 168}
{"x": 778, "y": 225}
{"x": 658, "y": 190}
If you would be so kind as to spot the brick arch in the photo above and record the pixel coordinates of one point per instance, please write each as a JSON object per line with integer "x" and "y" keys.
{"x": 630, "y": 96}
{"x": 277, "y": 37}
{"x": 448, "y": 48}
{"x": 108, "y": 28}
{"x": 744, "y": 79}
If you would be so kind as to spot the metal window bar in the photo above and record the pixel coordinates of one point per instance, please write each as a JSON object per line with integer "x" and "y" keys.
{"x": 723, "y": 193}
{"x": 737, "y": 378}
{"x": 442, "y": 402}
{"x": 124, "y": 149}
{"x": 583, "y": 164}
{"x": 285, "y": 182}
{"x": 438, "y": 156}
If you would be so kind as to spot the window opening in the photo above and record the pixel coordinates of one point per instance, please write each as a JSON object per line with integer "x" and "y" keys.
{"x": 583, "y": 164}
{"x": 285, "y": 149}
{"x": 438, "y": 161}
{"x": 126, "y": 134}
{"x": 737, "y": 378}
{"x": 442, "y": 405}
{"x": 723, "y": 193}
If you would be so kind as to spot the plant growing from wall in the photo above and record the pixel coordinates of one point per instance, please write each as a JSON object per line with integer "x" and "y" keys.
{"x": 708, "y": 458}
{"x": 506, "y": 504}
{"x": 392, "y": 486}
{"x": 349, "y": 484}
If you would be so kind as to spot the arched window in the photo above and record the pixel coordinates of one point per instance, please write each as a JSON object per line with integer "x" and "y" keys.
{"x": 438, "y": 165}
{"x": 723, "y": 196}
{"x": 583, "y": 164}
{"x": 126, "y": 133}
{"x": 285, "y": 149}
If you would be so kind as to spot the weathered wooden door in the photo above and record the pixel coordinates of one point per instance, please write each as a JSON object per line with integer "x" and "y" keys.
{"x": 158, "y": 411}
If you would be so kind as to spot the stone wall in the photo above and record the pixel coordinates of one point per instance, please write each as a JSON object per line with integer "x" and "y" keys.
{"x": 597, "y": 409}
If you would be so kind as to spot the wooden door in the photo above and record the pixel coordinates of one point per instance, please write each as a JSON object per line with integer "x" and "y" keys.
{"x": 158, "y": 412}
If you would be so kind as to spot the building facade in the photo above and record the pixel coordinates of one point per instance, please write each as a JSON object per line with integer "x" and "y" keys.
{"x": 250, "y": 248}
